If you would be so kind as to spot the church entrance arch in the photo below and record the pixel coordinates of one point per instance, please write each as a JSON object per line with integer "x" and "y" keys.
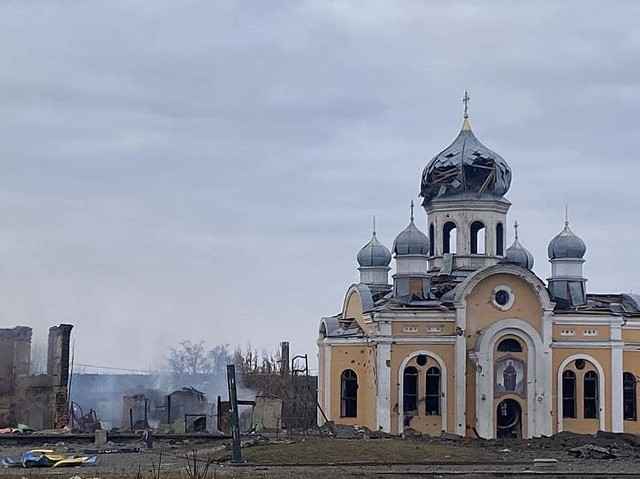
{"x": 512, "y": 364}
{"x": 509, "y": 419}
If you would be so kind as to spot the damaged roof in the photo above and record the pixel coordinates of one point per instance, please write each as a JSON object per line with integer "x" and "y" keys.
{"x": 465, "y": 166}
{"x": 623, "y": 304}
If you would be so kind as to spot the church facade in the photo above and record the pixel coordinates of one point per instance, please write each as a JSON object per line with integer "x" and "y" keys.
{"x": 465, "y": 338}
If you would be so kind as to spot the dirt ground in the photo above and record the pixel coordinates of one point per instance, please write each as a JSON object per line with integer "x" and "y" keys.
{"x": 330, "y": 458}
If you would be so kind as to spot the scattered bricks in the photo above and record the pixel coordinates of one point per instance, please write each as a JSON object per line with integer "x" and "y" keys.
{"x": 447, "y": 436}
{"x": 626, "y": 437}
{"x": 379, "y": 435}
{"x": 345, "y": 432}
{"x": 410, "y": 432}
{"x": 328, "y": 429}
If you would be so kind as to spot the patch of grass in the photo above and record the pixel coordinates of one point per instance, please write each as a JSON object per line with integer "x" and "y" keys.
{"x": 327, "y": 450}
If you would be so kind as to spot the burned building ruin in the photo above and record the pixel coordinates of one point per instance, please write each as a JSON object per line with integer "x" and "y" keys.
{"x": 41, "y": 401}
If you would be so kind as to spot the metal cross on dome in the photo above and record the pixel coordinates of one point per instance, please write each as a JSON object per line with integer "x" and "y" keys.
{"x": 465, "y": 100}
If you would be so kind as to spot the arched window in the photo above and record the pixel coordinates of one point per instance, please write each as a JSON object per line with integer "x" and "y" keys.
{"x": 432, "y": 239}
{"x": 477, "y": 237}
{"x": 449, "y": 237}
{"x": 410, "y": 390}
{"x": 590, "y": 391}
{"x": 629, "y": 396}
{"x": 509, "y": 345}
{"x": 348, "y": 394}
{"x": 432, "y": 397}
{"x": 569, "y": 394}
{"x": 499, "y": 239}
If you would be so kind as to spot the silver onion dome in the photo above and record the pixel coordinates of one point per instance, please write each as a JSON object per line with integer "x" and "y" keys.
{"x": 518, "y": 254}
{"x": 374, "y": 254}
{"x": 566, "y": 245}
{"x": 411, "y": 240}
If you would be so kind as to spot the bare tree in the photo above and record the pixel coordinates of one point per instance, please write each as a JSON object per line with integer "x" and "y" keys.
{"x": 195, "y": 358}
{"x": 189, "y": 358}
{"x": 251, "y": 362}
{"x": 219, "y": 356}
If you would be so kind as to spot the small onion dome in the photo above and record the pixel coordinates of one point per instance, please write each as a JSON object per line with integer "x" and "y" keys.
{"x": 566, "y": 245}
{"x": 518, "y": 254}
{"x": 411, "y": 241}
{"x": 374, "y": 253}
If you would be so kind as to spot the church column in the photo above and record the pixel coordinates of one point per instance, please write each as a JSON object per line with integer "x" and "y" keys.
{"x": 544, "y": 383}
{"x": 383, "y": 376}
{"x": 460, "y": 373}
{"x": 617, "y": 403}
{"x": 383, "y": 387}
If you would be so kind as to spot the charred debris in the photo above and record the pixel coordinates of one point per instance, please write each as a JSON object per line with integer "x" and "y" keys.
{"x": 59, "y": 402}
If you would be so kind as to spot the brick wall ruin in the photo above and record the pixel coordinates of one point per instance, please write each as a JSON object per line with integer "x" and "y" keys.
{"x": 40, "y": 401}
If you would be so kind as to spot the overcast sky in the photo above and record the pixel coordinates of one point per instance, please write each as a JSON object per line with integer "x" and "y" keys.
{"x": 208, "y": 170}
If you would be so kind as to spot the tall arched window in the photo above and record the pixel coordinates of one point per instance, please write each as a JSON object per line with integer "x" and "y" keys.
{"x": 477, "y": 237}
{"x": 629, "y": 396}
{"x": 433, "y": 393}
{"x": 590, "y": 391}
{"x": 449, "y": 237}
{"x": 569, "y": 394}
{"x": 410, "y": 390}
{"x": 348, "y": 393}
{"x": 499, "y": 239}
{"x": 432, "y": 239}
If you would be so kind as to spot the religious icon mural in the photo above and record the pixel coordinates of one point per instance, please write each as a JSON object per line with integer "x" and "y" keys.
{"x": 510, "y": 376}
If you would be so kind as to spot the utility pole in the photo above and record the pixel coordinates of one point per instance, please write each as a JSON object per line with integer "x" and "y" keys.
{"x": 236, "y": 454}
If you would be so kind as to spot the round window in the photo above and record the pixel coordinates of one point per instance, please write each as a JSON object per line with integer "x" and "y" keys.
{"x": 502, "y": 297}
{"x": 421, "y": 359}
{"x": 580, "y": 364}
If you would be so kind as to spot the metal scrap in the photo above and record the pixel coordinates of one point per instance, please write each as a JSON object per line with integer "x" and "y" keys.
{"x": 591, "y": 451}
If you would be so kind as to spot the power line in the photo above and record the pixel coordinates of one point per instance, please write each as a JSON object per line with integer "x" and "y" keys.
{"x": 111, "y": 368}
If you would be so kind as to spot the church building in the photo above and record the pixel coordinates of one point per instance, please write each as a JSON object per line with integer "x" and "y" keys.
{"x": 464, "y": 337}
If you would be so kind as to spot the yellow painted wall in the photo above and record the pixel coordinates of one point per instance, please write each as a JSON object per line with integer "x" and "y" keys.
{"x": 321, "y": 381}
{"x": 631, "y": 335}
{"x": 359, "y": 358}
{"x": 422, "y": 328}
{"x": 580, "y": 332}
{"x": 426, "y": 424}
{"x": 353, "y": 308}
{"x": 481, "y": 312}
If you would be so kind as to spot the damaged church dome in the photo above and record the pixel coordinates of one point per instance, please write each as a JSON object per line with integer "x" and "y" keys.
{"x": 465, "y": 166}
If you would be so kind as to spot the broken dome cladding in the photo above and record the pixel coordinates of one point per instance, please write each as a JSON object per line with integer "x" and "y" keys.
{"x": 465, "y": 166}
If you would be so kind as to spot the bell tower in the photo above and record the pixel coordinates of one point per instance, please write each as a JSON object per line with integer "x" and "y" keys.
{"x": 463, "y": 189}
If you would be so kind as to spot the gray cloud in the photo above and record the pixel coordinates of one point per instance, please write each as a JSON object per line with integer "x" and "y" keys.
{"x": 184, "y": 170}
